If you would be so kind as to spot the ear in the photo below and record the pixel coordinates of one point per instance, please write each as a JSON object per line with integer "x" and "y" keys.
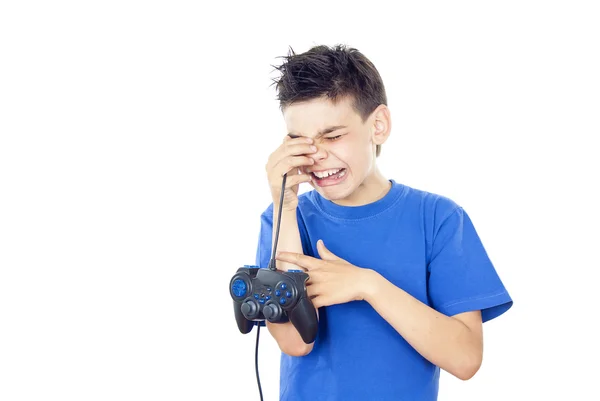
{"x": 382, "y": 124}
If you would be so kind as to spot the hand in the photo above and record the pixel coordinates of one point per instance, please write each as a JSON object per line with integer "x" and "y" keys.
{"x": 287, "y": 158}
{"x": 332, "y": 280}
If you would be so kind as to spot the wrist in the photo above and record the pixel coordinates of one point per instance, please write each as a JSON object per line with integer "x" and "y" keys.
{"x": 285, "y": 209}
{"x": 371, "y": 284}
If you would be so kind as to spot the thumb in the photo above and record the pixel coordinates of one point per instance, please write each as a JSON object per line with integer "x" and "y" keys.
{"x": 325, "y": 253}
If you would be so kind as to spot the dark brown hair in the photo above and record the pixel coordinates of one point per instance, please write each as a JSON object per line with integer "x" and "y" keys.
{"x": 335, "y": 72}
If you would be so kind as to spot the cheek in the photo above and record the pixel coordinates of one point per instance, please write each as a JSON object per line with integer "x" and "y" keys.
{"x": 351, "y": 151}
{"x": 358, "y": 154}
{"x": 342, "y": 152}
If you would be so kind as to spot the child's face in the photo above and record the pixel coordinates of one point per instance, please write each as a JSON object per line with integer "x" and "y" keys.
{"x": 347, "y": 151}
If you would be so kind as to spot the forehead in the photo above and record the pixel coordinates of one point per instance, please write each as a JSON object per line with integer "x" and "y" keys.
{"x": 309, "y": 117}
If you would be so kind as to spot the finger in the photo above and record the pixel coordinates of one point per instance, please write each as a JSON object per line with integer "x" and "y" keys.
{"x": 296, "y": 148}
{"x": 292, "y": 162}
{"x": 314, "y": 290}
{"x": 297, "y": 179}
{"x": 292, "y": 138}
{"x": 292, "y": 149}
{"x": 320, "y": 301}
{"x": 296, "y": 140}
{"x": 325, "y": 253}
{"x": 304, "y": 261}
{"x": 314, "y": 277}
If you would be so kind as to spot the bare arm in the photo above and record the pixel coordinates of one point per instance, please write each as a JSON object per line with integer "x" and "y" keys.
{"x": 455, "y": 343}
{"x": 287, "y": 159}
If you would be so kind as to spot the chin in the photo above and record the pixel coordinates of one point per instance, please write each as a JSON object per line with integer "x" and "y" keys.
{"x": 334, "y": 193}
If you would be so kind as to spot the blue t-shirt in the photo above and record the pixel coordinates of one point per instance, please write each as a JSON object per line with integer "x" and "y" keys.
{"x": 423, "y": 243}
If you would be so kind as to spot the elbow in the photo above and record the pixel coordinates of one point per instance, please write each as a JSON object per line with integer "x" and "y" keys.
{"x": 467, "y": 368}
{"x": 467, "y": 372}
{"x": 296, "y": 349}
{"x": 288, "y": 339}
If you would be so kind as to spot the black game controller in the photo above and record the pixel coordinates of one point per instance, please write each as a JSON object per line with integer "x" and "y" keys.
{"x": 273, "y": 295}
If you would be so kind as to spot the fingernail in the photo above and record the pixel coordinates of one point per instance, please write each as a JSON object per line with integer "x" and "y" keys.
{"x": 313, "y": 148}
{"x": 309, "y": 140}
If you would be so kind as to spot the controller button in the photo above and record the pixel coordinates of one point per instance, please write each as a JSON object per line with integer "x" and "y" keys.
{"x": 262, "y": 301}
{"x": 239, "y": 288}
{"x": 282, "y": 301}
{"x": 277, "y": 293}
{"x": 283, "y": 286}
{"x": 268, "y": 297}
{"x": 295, "y": 271}
{"x": 288, "y": 294}
{"x": 269, "y": 289}
{"x": 256, "y": 296}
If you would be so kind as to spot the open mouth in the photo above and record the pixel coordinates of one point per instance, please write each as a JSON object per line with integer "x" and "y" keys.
{"x": 329, "y": 175}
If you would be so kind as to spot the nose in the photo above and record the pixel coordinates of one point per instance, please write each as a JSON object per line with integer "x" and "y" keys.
{"x": 320, "y": 154}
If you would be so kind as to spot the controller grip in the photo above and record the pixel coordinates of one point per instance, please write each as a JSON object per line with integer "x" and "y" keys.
{"x": 243, "y": 324}
{"x": 304, "y": 318}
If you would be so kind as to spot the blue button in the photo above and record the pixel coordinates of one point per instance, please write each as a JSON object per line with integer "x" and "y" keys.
{"x": 282, "y": 301}
{"x": 251, "y": 266}
{"x": 288, "y": 294}
{"x": 256, "y": 296}
{"x": 261, "y": 301}
{"x": 268, "y": 297}
{"x": 283, "y": 286}
{"x": 295, "y": 271}
{"x": 269, "y": 289}
{"x": 277, "y": 293}
{"x": 239, "y": 288}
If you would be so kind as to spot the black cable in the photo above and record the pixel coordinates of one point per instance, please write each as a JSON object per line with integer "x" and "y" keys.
{"x": 256, "y": 362}
{"x": 272, "y": 262}
{"x": 272, "y": 267}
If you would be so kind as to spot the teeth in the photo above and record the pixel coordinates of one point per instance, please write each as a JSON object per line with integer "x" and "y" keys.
{"x": 327, "y": 173}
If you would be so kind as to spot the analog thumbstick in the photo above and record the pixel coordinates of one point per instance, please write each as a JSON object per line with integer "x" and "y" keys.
{"x": 249, "y": 309}
{"x": 272, "y": 312}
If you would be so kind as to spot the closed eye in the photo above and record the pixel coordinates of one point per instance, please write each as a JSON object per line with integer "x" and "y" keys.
{"x": 333, "y": 138}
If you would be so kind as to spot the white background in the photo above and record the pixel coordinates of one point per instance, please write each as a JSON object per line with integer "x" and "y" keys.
{"x": 133, "y": 142}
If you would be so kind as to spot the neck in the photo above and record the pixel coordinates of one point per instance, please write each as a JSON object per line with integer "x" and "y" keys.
{"x": 373, "y": 188}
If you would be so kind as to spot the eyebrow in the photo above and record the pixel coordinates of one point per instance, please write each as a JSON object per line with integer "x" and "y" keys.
{"x": 322, "y": 132}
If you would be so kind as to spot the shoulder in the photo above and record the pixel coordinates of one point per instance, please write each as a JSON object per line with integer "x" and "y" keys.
{"x": 434, "y": 206}
{"x": 267, "y": 213}
{"x": 305, "y": 201}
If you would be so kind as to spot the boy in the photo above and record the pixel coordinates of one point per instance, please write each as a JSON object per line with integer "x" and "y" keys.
{"x": 399, "y": 276}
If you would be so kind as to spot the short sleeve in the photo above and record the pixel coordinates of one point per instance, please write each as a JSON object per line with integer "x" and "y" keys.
{"x": 461, "y": 276}
{"x": 265, "y": 235}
